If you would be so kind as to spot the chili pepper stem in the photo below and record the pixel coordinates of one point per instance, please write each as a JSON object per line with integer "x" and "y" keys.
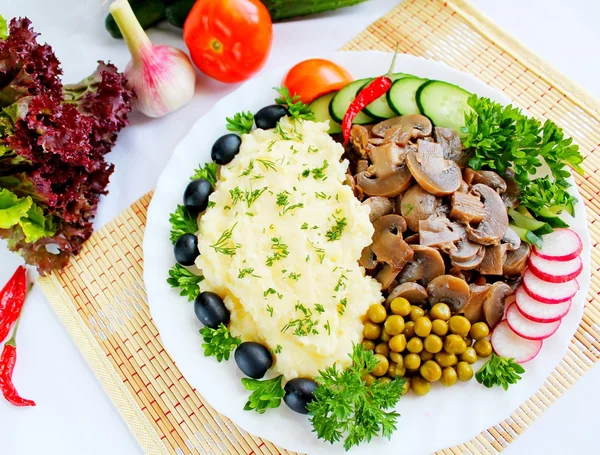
{"x": 391, "y": 70}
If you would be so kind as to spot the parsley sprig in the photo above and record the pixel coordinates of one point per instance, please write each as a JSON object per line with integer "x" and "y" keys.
{"x": 266, "y": 394}
{"x": 218, "y": 342}
{"x": 207, "y": 172}
{"x": 180, "y": 277}
{"x": 297, "y": 109}
{"x": 182, "y": 223}
{"x": 502, "y": 138}
{"x": 335, "y": 233}
{"x": 241, "y": 122}
{"x": 345, "y": 407}
{"x": 499, "y": 371}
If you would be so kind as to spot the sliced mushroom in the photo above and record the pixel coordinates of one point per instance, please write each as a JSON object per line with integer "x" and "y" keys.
{"x": 493, "y": 260}
{"x": 489, "y": 178}
{"x": 427, "y": 264}
{"x": 351, "y": 182}
{"x": 492, "y": 227}
{"x": 388, "y": 245}
{"x": 511, "y": 239}
{"x": 368, "y": 259}
{"x": 439, "y": 230}
{"x": 452, "y": 145}
{"x": 467, "y": 208}
{"x": 432, "y": 171}
{"x": 413, "y": 292}
{"x": 473, "y": 310}
{"x": 387, "y": 176}
{"x": 386, "y": 276}
{"x": 379, "y": 206}
{"x": 450, "y": 290}
{"x": 471, "y": 264}
{"x": 464, "y": 250}
{"x": 512, "y": 195}
{"x": 417, "y": 204}
{"x": 516, "y": 261}
{"x": 402, "y": 129}
{"x": 362, "y": 166}
{"x": 359, "y": 138}
{"x": 412, "y": 239}
{"x": 493, "y": 306}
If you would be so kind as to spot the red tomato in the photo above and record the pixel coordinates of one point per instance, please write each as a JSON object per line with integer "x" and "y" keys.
{"x": 315, "y": 77}
{"x": 229, "y": 40}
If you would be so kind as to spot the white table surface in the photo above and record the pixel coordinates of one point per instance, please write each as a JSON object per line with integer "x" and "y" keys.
{"x": 74, "y": 415}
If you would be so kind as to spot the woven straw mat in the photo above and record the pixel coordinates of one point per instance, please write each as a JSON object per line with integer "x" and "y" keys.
{"x": 101, "y": 300}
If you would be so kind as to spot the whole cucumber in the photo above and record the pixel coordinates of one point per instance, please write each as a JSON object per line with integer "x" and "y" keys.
{"x": 287, "y": 9}
{"x": 147, "y": 12}
{"x": 177, "y": 11}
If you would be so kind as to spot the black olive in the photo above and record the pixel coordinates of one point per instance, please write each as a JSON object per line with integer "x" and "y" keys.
{"x": 225, "y": 148}
{"x": 186, "y": 249}
{"x": 268, "y": 116}
{"x": 298, "y": 393}
{"x": 253, "y": 359}
{"x": 210, "y": 310}
{"x": 195, "y": 196}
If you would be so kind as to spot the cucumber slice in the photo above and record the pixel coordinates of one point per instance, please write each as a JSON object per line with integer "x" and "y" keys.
{"x": 569, "y": 208}
{"x": 527, "y": 236}
{"x": 380, "y": 108}
{"x": 522, "y": 209}
{"x": 524, "y": 221}
{"x": 402, "y": 96}
{"x": 342, "y": 100}
{"x": 320, "y": 108}
{"x": 551, "y": 218}
{"x": 445, "y": 104}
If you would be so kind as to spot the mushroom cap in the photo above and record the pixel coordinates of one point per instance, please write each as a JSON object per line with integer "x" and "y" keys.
{"x": 511, "y": 239}
{"x": 472, "y": 263}
{"x": 386, "y": 276}
{"x": 432, "y": 171}
{"x": 411, "y": 126}
{"x": 379, "y": 206}
{"x": 489, "y": 178}
{"x": 493, "y": 306}
{"x": 494, "y": 224}
{"x": 413, "y": 292}
{"x": 516, "y": 261}
{"x": 450, "y": 290}
{"x": 387, "y": 176}
{"x": 388, "y": 245}
{"x": 427, "y": 264}
{"x": 416, "y": 205}
{"x": 464, "y": 251}
{"x": 473, "y": 310}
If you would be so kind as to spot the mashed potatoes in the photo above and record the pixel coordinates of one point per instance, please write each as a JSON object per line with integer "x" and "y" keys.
{"x": 280, "y": 242}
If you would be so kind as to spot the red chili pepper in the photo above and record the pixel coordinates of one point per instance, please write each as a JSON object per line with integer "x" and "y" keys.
{"x": 12, "y": 298}
{"x": 378, "y": 87}
{"x": 7, "y": 366}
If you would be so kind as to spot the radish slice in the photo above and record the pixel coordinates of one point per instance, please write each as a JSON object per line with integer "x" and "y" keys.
{"x": 560, "y": 245}
{"x": 539, "y": 311}
{"x": 546, "y": 292}
{"x": 528, "y": 329}
{"x": 555, "y": 271}
{"x": 507, "y": 343}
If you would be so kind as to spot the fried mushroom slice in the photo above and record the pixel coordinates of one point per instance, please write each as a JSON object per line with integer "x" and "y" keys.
{"x": 493, "y": 260}
{"x": 438, "y": 231}
{"x": 493, "y": 306}
{"x": 450, "y": 290}
{"x": 494, "y": 224}
{"x": 473, "y": 310}
{"x": 416, "y": 205}
{"x": 489, "y": 178}
{"x": 467, "y": 208}
{"x": 470, "y": 264}
{"x": 432, "y": 171}
{"x": 427, "y": 264}
{"x": 388, "y": 245}
{"x": 359, "y": 138}
{"x": 379, "y": 206}
{"x": 516, "y": 261}
{"x": 387, "y": 176}
{"x": 403, "y": 128}
{"x": 413, "y": 292}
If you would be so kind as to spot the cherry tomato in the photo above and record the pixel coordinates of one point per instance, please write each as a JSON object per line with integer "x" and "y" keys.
{"x": 315, "y": 77}
{"x": 229, "y": 40}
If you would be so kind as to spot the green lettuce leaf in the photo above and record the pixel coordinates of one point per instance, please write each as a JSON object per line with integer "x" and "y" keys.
{"x": 15, "y": 211}
{"x": 3, "y": 28}
{"x": 12, "y": 209}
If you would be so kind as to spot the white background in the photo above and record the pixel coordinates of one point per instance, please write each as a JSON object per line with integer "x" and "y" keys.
{"x": 73, "y": 415}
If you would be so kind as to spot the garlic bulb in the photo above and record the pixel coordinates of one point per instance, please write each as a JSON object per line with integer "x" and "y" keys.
{"x": 162, "y": 76}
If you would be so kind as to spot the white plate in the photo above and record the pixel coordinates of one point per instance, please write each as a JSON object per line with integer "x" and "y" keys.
{"x": 443, "y": 418}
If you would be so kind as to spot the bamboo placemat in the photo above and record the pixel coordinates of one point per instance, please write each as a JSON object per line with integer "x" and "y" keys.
{"x": 101, "y": 299}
